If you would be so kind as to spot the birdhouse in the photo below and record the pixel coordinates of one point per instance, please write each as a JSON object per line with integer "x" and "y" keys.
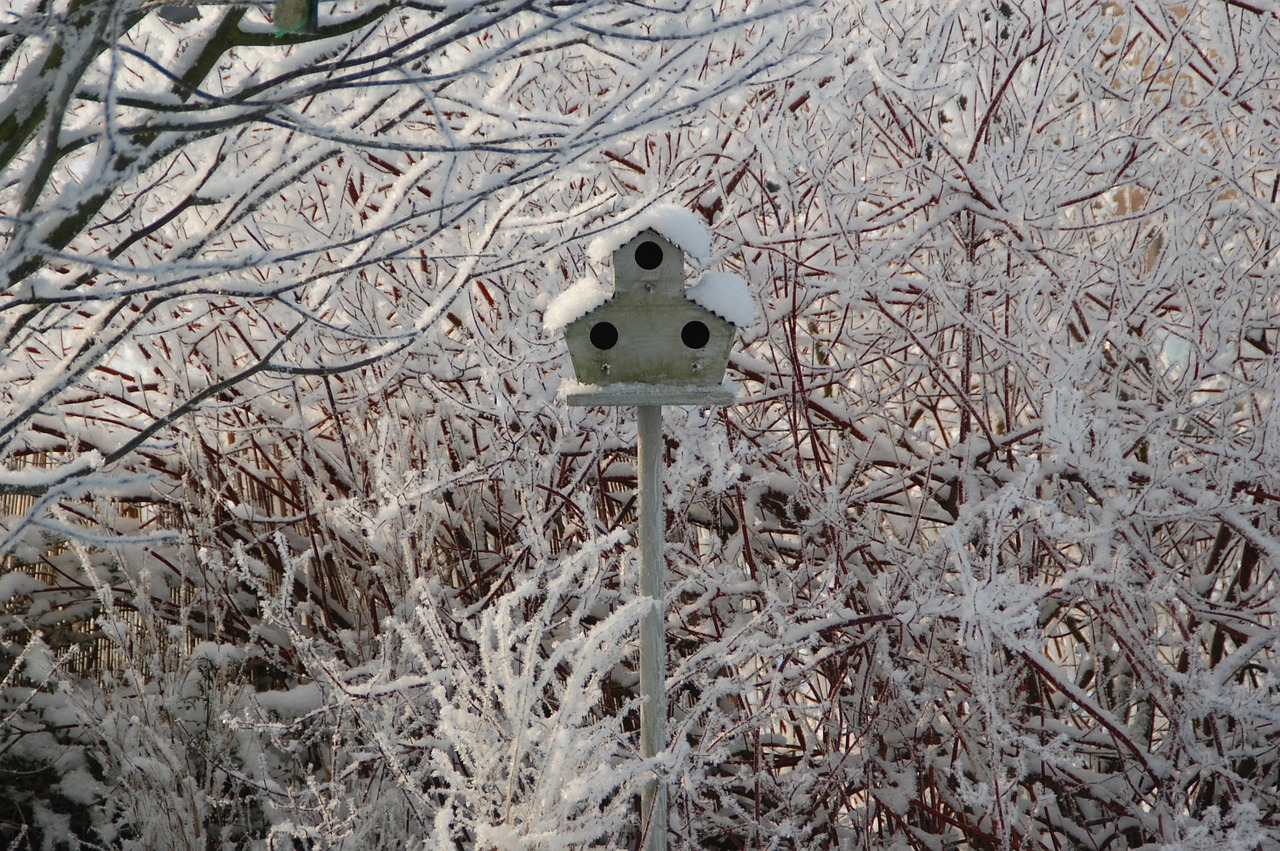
{"x": 652, "y": 341}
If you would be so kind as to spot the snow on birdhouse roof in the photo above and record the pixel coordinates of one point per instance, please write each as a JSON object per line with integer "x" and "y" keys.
{"x": 726, "y": 295}
{"x": 574, "y": 303}
{"x": 676, "y": 225}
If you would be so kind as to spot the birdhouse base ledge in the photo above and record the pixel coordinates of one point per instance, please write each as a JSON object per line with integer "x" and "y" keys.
{"x": 620, "y": 394}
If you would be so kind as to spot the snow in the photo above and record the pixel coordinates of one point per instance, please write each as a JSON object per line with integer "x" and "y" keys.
{"x": 726, "y": 295}
{"x": 39, "y": 660}
{"x": 220, "y": 655}
{"x": 15, "y": 583}
{"x": 577, "y": 301}
{"x": 677, "y": 225}
{"x": 37, "y": 478}
{"x": 395, "y": 526}
{"x": 294, "y": 702}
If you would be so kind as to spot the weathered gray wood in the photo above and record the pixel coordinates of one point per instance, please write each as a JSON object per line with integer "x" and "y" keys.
{"x": 653, "y": 648}
{"x": 650, "y": 346}
{"x": 666, "y": 279}
{"x": 646, "y": 321}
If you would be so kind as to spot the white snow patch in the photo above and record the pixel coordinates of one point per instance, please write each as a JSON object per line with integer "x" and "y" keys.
{"x": 43, "y": 477}
{"x": 726, "y": 295}
{"x": 574, "y": 303}
{"x": 219, "y": 654}
{"x": 40, "y": 663}
{"x": 79, "y": 786}
{"x": 17, "y": 584}
{"x": 677, "y": 225}
{"x": 293, "y": 703}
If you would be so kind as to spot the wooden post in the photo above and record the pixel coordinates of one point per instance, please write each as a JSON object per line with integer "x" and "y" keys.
{"x": 652, "y": 342}
{"x": 653, "y": 649}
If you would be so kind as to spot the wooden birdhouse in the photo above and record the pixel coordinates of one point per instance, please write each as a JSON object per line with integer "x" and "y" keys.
{"x": 652, "y": 341}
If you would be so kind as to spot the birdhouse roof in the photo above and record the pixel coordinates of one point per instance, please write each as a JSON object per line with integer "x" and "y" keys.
{"x": 723, "y": 295}
{"x": 676, "y": 225}
{"x": 573, "y": 304}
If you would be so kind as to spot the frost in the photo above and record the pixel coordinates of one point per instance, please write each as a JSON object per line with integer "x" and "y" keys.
{"x": 726, "y": 295}
{"x": 680, "y": 227}
{"x": 307, "y": 551}
{"x": 574, "y": 303}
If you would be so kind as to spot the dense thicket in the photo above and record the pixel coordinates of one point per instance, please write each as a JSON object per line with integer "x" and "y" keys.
{"x": 303, "y": 551}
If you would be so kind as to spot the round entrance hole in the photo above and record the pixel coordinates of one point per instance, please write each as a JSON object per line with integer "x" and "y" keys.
{"x": 604, "y": 335}
{"x": 695, "y": 334}
{"x": 648, "y": 255}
